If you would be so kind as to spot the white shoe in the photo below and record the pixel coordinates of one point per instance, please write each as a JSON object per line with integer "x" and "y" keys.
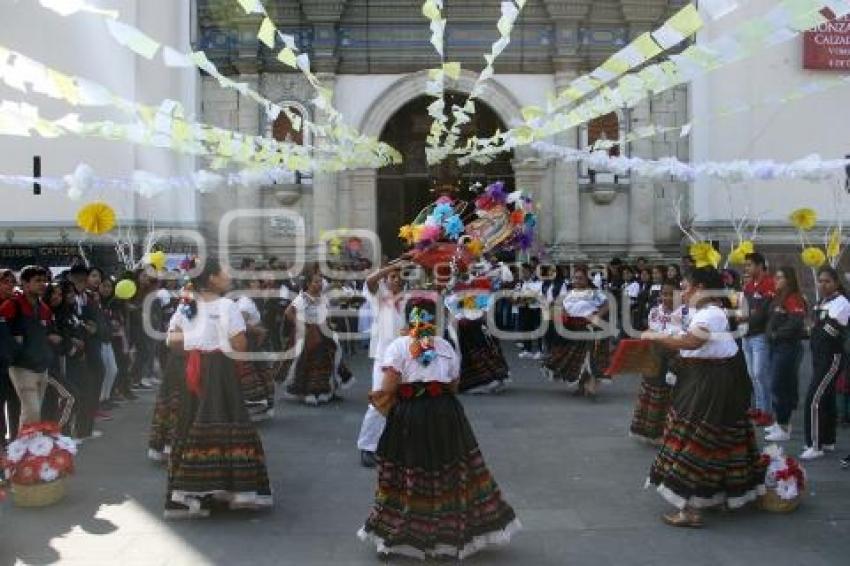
{"x": 772, "y": 428}
{"x": 779, "y": 436}
{"x": 538, "y": 355}
{"x": 828, "y": 447}
{"x": 525, "y": 354}
{"x": 148, "y": 382}
{"x": 311, "y": 400}
{"x": 811, "y": 453}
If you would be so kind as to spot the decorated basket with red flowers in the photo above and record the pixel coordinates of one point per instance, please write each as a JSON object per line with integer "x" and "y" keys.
{"x": 785, "y": 481}
{"x": 435, "y": 235}
{"x": 37, "y": 463}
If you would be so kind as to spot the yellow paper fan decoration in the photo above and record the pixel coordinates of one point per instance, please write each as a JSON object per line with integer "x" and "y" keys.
{"x": 704, "y": 255}
{"x": 747, "y": 247}
{"x": 833, "y": 248}
{"x": 737, "y": 257}
{"x": 803, "y": 218}
{"x": 96, "y": 218}
{"x": 813, "y": 257}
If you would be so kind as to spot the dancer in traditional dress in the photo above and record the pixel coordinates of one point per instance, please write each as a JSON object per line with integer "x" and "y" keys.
{"x": 709, "y": 454}
{"x": 383, "y": 291}
{"x": 435, "y": 495}
{"x": 217, "y": 458}
{"x": 255, "y": 376}
{"x": 315, "y": 373}
{"x": 653, "y": 399}
{"x": 483, "y": 368}
{"x": 582, "y": 358}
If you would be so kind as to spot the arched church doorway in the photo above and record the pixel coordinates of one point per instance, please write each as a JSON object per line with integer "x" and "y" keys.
{"x": 404, "y": 189}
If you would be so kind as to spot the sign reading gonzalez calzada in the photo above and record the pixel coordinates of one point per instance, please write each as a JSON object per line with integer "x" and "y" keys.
{"x": 828, "y": 46}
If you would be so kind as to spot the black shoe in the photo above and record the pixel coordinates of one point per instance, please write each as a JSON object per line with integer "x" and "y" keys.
{"x": 845, "y": 462}
{"x": 367, "y": 459}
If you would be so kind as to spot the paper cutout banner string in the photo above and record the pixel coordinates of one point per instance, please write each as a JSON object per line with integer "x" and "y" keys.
{"x": 783, "y": 22}
{"x": 462, "y": 114}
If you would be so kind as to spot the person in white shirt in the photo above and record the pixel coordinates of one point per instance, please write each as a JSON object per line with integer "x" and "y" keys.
{"x": 581, "y": 358}
{"x": 213, "y": 419}
{"x": 529, "y": 300}
{"x": 383, "y": 292}
{"x": 435, "y": 497}
{"x": 650, "y": 414}
{"x": 709, "y": 455}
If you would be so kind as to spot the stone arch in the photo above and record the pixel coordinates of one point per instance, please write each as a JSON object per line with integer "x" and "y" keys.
{"x": 361, "y": 185}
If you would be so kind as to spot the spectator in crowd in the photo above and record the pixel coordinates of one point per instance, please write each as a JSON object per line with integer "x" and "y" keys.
{"x": 10, "y": 406}
{"x": 758, "y": 293}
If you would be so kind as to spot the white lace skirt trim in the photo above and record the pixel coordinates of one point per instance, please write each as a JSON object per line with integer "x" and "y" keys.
{"x": 500, "y": 537}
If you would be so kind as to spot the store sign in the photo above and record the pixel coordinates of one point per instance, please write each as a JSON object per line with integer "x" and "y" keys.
{"x": 827, "y": 47}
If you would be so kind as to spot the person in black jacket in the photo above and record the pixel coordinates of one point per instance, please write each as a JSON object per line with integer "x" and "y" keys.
{"x": 827, "y": 342}
{"x": 9, "y": 402}
{"x": 31, "y": 325}
{"x": 74, "y": 333}
{"x": 785, "y": 328}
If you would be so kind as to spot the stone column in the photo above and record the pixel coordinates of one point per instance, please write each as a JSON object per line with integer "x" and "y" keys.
{"x": 566, "y": 203}
{"x": 642, "y": 192}
{"x": 324, "y": 183}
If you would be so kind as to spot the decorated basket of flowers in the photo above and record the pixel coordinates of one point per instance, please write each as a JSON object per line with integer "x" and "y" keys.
{"x": 37, "y": 463}
{"x": 435, "y": 235}
{"x": 505, "y": 220}
{"x": 785, "y": 481}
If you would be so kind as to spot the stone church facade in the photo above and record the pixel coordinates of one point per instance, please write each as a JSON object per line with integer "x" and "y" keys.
{"x": 373, "y": 54}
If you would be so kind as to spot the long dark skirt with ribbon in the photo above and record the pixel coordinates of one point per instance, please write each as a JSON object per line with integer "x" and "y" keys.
{"x": 709, "y": 454}
{"x": 653, "y": 402}
{"x": 167, "y": 408}
{"x": 435, "y": 495}
{"x": 483, "y": 366}
{"x": 316, "y": 371}
{"x": 571, "y": 358}
{"x": 217, "y": 453}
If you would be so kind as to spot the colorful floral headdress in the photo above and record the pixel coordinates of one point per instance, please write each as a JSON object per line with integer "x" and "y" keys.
{"x": 505, "y": 220}
{"x": 438, "y": 222}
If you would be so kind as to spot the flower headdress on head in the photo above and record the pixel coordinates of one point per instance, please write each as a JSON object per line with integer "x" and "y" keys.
{"x": 422, "y": 332}
{"x": 505, "y": 220}
{"x": 438, "y": 222}
{"x": 701, "y": 250}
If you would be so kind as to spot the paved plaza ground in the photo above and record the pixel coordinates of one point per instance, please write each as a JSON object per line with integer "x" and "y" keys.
{"x": 566, "y": 465}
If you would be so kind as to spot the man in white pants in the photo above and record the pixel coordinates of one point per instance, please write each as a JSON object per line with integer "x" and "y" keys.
{"x": 383, "y": 291}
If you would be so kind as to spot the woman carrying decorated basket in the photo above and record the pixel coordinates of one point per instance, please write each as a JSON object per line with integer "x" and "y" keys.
{"x": 653, "y": 400}
{"x": 217, "y": 459}
{"x": 709, "y": 455}
{"x": 435, "y": 495}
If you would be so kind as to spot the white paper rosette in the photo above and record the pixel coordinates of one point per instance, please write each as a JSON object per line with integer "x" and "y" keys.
{"x": 40, "y": 445}
{"x": 16, "y": 451}
{"x": 47, "y": 473}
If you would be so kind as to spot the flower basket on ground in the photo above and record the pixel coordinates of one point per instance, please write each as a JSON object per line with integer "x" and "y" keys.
{"x": 37, "y": 463}
{"x": 785, "y": 481}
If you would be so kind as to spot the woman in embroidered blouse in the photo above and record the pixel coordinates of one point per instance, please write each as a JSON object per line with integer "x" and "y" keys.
{"x": 217, "y": 458}
{"x": 653, "y": 401}
{"x": 435, "y": 495}
{"x": 581, "y": 358}
{"x": 709, "y": 455}
{"x": 315, "y": 373}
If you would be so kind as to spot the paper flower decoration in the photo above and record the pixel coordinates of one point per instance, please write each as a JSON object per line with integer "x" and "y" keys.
{"x": 96, "y": 218}
{"x": 803, "y": 218}
{"x": 813, "y": 257}
{"x": 469, "y": 302}
{"x": 747, "y": 247}
{"x": 517, "y": 217}
{"x": 453, "y": 227}
{"x": 406, "y": 233}
{"x": 704, "y": 255}
{"x": 475, "y": 247}
{"x": 833, "y": 247}
{"x": 737, "y": 256}
{"x": 156, "y": 260}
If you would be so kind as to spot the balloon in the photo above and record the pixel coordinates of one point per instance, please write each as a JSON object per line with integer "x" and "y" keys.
{"x": 157, "y": 260}
{"x": 125, "y": 289}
